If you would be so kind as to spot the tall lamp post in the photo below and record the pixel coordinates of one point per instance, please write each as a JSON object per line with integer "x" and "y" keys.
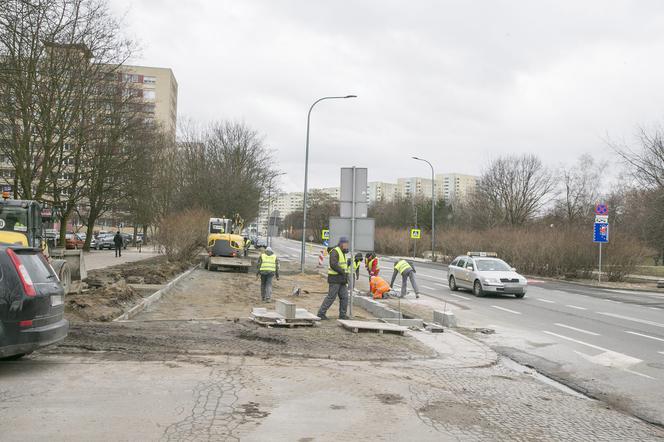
{"x": 306, "y": 176}
{"x": 433, "y": 209}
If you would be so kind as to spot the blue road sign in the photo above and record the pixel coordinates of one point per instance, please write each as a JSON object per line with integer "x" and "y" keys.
{"x": 326, "y": 243}
{"x": 601, "y": 232}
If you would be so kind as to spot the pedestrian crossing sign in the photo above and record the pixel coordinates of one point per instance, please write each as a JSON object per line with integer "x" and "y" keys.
{"x": 415, "y": 233}
{"x": 325, "y": 234}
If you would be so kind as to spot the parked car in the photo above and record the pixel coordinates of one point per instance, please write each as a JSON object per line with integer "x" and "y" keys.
{"x": 104, "y": 242}
{"x": 261, "y": 241}
{"x": 74, "y": 241}
{"x": 127, "y": 238}
{"x": 484, "y": 273}
{"x": 31, "y": 302}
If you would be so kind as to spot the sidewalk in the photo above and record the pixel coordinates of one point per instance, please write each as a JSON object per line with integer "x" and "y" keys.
{"x": 99, "y": 259}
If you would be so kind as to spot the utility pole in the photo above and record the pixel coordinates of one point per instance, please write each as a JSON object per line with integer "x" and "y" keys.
{"x": 433, "y": 209}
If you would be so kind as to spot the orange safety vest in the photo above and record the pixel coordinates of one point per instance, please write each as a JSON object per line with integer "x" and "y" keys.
{"x": 378, "y": 286}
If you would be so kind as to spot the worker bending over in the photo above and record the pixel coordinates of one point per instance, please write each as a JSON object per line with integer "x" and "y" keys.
{"x": 378, "y": 287}
{"x": 337, "y": 278}
{"x": 267, "y": 268}
{"x": 407, "y": 272}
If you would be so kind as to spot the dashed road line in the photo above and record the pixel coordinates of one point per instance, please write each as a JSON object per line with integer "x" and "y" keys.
{"x": 596, "y": 347}
{"x": 427, "y": 287}
{"x": 575, "y": 306}
{"x": 661, "y": 352}
{"x": 629, "y": 318}
{"x": 440, "y": 284}
{"x": 546, "y": 300}
{"x": 611, "y": 300}
{"x": 639, "y": 374}
{"x": 644, "y": 336}
{"x": 506, "y": 310}
{"x": 580, "y": 330}
{"x": 459, "y": 296}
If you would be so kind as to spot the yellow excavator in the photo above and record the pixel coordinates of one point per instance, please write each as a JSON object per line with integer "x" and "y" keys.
{"x": 225, "y": 245}
{"x": 22, "y": 222}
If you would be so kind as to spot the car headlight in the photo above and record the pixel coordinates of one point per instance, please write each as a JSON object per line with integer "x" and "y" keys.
{"x": 492, "y": 280}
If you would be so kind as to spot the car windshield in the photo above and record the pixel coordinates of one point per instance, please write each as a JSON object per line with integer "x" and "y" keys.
{"x": 492, "y": 265}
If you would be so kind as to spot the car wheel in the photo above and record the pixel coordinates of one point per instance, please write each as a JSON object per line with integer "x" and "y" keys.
{"x": 477, "y": 289}
{"x": 453, "y": 285}
{"x": 519, "y": 295}
{"x": 14, "y": 357}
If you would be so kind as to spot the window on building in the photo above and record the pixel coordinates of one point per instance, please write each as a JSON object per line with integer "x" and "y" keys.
{"x": 149, "y": 95}
{"x": 149, "y": 79}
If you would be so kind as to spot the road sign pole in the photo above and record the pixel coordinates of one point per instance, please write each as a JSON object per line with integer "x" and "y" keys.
{"x": 351, "y": 284}
{"x": 599, "y": 276}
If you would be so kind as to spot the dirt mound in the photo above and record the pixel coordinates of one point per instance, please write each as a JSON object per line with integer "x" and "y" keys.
{"x": 102, "y": 303}
{"x": 157, "y": 270}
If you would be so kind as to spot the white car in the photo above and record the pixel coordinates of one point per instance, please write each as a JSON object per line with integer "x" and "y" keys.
{"x": 484, "y": 273}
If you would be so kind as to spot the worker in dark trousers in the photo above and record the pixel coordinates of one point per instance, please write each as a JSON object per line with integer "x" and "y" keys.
{"x": 357, "y": 263}
{"x": 268, "y": 268}
{"x": 337, "y": 278}
{"x": 407, "y": 271}
{"x": 118, "y": 241}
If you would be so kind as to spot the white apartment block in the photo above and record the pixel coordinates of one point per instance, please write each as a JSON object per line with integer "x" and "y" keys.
{"x": 414, "y": 187}
{"x": 455, "y": 187}
{"x": 381, "y": 191}
{"x": 332, "y": 192}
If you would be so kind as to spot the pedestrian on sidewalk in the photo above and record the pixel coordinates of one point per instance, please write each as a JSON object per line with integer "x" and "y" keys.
{"x": 267, "y": 268}
{"x": 337, "y": 278}
{"x": 407, "y": 271}
{"x": 118, "y": 241}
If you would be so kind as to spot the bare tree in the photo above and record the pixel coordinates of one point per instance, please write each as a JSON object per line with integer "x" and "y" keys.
{"x": 512, "y": 190}
{"x": 580, "y": 189}
{"x": 646, "y": 163}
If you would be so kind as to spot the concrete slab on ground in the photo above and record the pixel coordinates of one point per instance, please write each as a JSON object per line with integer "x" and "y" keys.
{"x": 99, "y": 259}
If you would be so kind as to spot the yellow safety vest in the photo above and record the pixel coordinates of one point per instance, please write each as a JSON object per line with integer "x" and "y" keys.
{"x": 342, "y": 262}
{"x": 402, "y": 266}
{"x": 268, "y": 263}
{"x": 356, "y": 265}
{"x": 370, "y": 264}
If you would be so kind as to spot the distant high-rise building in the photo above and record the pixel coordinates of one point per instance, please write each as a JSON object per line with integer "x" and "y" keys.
{"x": 381, "y": 191}
{"x": 414, "y": 187}
{"x": 159, "y": 91}
{"x": 455, "y": 187}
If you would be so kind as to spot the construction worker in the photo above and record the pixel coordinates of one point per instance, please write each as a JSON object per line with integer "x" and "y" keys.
{"x": 372, "y": 265}
{"x": 378, "y": 287}
{"x": 407, "y": 272}
{"x": 337, "y": 278}
{"x": 267, "y": 268}
{"x": 356, "y": 265}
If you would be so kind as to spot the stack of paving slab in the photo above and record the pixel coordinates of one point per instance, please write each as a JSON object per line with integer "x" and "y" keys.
{"x": 372, "y": 326}
{"x": 285, "y": 315}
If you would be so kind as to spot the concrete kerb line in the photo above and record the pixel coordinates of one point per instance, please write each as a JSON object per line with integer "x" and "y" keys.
{"x": 156, "y": 296}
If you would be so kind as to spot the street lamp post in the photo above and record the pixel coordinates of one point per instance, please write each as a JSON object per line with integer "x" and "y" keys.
{"x": 433, "y": 209}
{"x": 269, "y": 207}
{"x": 306, "y": 176}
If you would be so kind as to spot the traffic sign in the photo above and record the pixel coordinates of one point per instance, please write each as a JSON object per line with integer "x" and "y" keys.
{"x": 326, "y": 242}
{"x": 415, "y": 233}
{"x": 325, "y": 234}
{"x": 601, "y": 233}
{"x": 601, "y": 209}
{"x": 601, "y": 218}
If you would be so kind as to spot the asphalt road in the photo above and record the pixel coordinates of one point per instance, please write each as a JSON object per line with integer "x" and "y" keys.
{"x": 606, "y": 343}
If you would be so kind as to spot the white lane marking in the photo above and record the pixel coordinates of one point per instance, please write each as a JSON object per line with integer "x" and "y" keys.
{"x": 639, "y": 374}
{"x": 654, "y": 308}
{"x": 442, "y": 285}
{"x": 506, "y": 310}
{"x": 575, "y": 306}
{"x": 661, "y": 352}
{"x": 546, "y": 300}
{"x": 427, "y": 287}
{"x": 644, "y": 336}
{"x": 596, "y": 347}
{"x": 459, "y": 296}
{"x": 629, "y": 318}
{"x": 577, "y": 329}
{"x": 611, "y": 300}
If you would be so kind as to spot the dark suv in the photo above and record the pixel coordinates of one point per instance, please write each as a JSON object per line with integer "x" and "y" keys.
{"x": 31, "y": 302}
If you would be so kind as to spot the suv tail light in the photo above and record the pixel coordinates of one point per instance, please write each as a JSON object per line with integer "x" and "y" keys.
{"x": 22, "y": 274}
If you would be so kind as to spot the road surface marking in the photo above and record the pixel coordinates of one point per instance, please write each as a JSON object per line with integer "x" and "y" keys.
{"x": 596, "y": 347}
{"x": 629, "y": 318}
{"x": 654, "y": 308}
{"x": 644, "y": 336}
{"x": 639, "y": 374}
{"x": 575, "y": 306}
{"x": 546, "y": 300}
{"x": 460, "y": 297}
{"x": 506, "y": 310}
{"x": 611, "y": 300}
{"x": 661, "y": 352}
{"x": 442, "y": 285}
{"x": 577, "y": 329}
{"x": 427, "y": 287}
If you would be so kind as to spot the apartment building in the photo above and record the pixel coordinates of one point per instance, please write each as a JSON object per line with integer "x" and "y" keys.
{"x": 414, "y": 187}
{"x": 332, "y": 192}
{"x": 159, "y": 90}
{"x": 454, "y": 187}
{"x": 381, "y": 191}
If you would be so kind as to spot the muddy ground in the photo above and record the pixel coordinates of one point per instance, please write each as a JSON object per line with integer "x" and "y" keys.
{"x": 207, "y": 313}
{"x": 105, "y": 294}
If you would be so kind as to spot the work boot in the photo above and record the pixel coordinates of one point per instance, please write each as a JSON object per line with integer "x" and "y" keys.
{"x": 322, "y": 317}
{"x": 417, "y": 295}
{"x": 343, "y": 317}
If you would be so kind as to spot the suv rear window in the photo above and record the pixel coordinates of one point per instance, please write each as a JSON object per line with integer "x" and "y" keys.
{"x": 38, "y": 269}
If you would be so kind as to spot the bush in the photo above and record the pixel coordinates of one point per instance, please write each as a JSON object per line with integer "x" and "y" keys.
{"x": 183, "y": 234}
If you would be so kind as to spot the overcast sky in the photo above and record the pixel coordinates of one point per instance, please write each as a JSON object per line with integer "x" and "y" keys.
{"x": 455, "y": 82}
